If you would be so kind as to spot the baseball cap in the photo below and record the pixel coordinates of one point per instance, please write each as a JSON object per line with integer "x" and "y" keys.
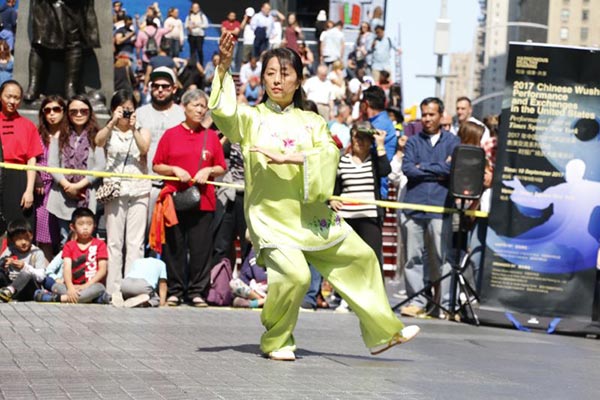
{"x": 250, "y": 11}
{"x": 162, "y": 72}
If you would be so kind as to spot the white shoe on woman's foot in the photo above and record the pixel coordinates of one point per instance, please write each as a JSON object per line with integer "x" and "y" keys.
{"x": 282, "y": 355}
{"x": 407, "y": 333}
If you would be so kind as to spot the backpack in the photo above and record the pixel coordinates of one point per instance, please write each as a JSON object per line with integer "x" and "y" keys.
{"x": 220, "y": 293}
{"x": 151, "y": 45}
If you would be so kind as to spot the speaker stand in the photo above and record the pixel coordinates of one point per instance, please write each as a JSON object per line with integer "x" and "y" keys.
{"x": 461, "y": 304}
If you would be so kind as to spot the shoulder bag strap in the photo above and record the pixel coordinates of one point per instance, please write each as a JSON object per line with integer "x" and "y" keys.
{"x": 202, "y": 149}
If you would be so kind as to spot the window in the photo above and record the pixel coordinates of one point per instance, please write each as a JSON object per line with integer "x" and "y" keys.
{"x": 564, "y": 33}
{"x": 585, "y": 15}
{"x": 584, "y": 34}
{"x": 564, "y": 15}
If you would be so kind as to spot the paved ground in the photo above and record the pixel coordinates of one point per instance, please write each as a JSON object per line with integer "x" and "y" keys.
{"x": 86, "y": 352}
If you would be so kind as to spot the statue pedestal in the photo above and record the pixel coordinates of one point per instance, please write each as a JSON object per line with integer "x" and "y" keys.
{"x": 97, "y": 72}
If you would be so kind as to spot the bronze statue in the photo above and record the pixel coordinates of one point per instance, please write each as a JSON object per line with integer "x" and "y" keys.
{"x": 69, "y": 26}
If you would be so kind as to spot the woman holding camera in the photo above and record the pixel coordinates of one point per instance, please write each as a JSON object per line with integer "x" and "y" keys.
{"x": 126, "y": 212}
{"x": 358, "y": 177}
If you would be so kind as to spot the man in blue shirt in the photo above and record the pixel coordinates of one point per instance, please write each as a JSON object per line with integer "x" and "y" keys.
{"x": 373, "y": 109}
{"x": 426, "y": 164}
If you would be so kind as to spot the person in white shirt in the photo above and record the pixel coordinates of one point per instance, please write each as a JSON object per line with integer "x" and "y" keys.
{"x": 248, "y": 70}
{"x": 195, "y": 23}
{"x": 332, "y": 43}
{"x": 175, "y": 34}
{"x": 277, "y": 33}
{"x": 464, "y": 112}
{"x": 320, "y": 90}
{"x": 263, "y": 24}
{"x": 247, "y": 35}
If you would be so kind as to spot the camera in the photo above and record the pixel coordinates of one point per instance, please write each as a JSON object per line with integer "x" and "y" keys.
{"x": 127, "y": 113}
{"x": 367, "y": 131}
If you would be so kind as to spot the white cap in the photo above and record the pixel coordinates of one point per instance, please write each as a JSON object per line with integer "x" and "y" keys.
{"x": 163, "y": 72}
{"x": 322, "y": 16}
{"x": 250, "y": 11}
{"x": 354, "y": 86}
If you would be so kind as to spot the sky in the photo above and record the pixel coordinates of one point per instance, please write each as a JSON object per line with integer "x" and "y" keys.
{"x": 417, "y": 24}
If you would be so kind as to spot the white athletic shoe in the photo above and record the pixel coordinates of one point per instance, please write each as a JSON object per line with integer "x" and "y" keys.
{"x": 282, "y": 355}
{"x": 406, "y": 334}
{"x": 136, "y": 300}
{"x": 117, "y": 299}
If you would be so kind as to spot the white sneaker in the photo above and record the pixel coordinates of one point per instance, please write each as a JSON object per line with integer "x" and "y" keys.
{"x": 343, "y": 307}
{"x": 136, "y": 300}
{"x": 117, "y": 299}
{"x": 406, "y": 334}
{"x": 282, "y": 355}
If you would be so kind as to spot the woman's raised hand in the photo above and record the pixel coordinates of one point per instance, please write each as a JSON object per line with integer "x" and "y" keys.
{"x": 226, "y": 46}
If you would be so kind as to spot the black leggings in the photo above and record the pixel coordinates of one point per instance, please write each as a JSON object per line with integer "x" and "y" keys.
{"x": 196, "y": 49}
{"x": 369, "y": 230}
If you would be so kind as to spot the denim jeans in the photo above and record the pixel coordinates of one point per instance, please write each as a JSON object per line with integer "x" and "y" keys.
{"x": 433, "y": 237}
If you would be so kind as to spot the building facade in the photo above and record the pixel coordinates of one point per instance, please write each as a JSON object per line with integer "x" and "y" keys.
{"x": 574, "y": 22}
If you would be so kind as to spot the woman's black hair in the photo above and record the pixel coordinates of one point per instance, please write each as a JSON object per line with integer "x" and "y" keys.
{"x": 43, "y": 126}
{"x": 91, "y": 126}
{"x": 121, "y": 96}
{"x": 286, "y": 56}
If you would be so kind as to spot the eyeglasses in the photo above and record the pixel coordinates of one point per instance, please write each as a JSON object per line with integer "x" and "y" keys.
{"x": 73, "y": 112}
{"x": 163, "y": 86}
{"x": 55, "y": 109}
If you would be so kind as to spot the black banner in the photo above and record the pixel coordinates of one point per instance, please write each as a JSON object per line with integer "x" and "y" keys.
{"x": 544, "y": 224}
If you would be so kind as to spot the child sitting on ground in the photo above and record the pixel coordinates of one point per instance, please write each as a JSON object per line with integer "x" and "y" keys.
{"x": 22, "y": 264}
{"x": 84, "y": 265}
{"x": 138, "y": 289}
{"x": 250, "y": 289}
{"x": 54, "y": 270}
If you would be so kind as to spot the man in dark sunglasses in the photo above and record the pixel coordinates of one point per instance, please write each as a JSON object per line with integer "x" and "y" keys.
{"x": 158, "y": 116}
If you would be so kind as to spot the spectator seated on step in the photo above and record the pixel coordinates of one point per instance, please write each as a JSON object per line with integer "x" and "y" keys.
{"x": 22, "y": 264}
{"x": 144, "y": 285}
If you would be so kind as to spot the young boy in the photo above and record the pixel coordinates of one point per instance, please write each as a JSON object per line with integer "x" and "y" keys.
{"x": 141, "y": 283}
{"x": 84, "y": 264}
{"x": 22, "y": 265}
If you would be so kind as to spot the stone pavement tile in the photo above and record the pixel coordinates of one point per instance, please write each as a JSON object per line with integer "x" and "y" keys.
{"x": 144, "y": 394}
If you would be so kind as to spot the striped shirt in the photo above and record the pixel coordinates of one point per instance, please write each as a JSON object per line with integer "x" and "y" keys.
{"x": 358, "y": 182}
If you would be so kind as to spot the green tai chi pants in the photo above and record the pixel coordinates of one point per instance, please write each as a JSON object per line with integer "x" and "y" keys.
{"x": 351, "y": 267}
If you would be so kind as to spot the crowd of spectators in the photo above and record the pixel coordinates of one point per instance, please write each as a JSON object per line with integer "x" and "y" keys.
{"x": 160, "y": 124}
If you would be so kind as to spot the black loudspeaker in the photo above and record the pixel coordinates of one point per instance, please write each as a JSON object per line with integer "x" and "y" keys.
{"x": 466, "y": 173}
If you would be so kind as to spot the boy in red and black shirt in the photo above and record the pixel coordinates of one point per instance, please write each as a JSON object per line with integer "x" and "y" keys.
{"x": 84, "y": 268}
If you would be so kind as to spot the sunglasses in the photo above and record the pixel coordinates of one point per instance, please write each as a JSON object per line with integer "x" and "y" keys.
{"x": 73, "y": 112}
{"x": 55, "y": 109}
{"x": 163, "y": 86}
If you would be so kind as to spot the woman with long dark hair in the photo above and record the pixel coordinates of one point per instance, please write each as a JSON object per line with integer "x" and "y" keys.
{"x": 290, "y": 169}
{"x": 51, "y": 122}
{"x": 75, "y": 148}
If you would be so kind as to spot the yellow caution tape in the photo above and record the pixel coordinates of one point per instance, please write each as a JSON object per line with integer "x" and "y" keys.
{"x": 97, "y": 174}
{"x": 410, "y": 206}
{"x": 105, "y": 174}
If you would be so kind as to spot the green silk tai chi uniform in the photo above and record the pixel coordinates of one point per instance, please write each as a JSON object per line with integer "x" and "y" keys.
{"x": 290, "y": 223}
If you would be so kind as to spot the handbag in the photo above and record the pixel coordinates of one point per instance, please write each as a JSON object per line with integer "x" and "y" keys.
{"x": 110, "y": 190}
{"x": 189, "y": 199}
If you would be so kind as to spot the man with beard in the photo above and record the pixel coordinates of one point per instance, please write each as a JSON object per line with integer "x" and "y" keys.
{"x": 158, "y": 116}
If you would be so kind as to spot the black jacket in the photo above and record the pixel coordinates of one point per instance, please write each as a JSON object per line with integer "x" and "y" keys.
{"x": 50, "y": 23}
